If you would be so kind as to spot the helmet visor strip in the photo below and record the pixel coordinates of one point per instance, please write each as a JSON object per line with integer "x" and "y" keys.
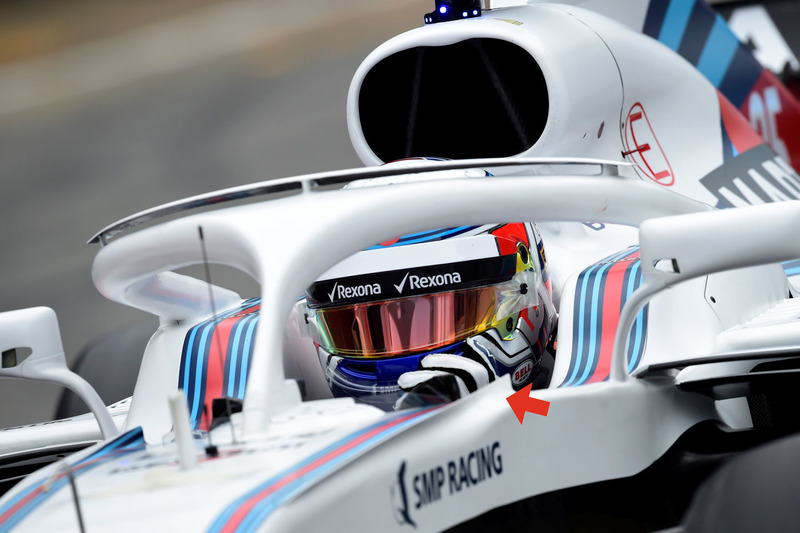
{"x": 405, "y": 325}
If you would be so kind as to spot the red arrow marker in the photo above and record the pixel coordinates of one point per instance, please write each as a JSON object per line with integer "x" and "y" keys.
{"x": 521, "y": 402}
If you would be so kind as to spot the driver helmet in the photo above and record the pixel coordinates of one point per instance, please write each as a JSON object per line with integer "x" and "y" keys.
{"x": 376, "y": 314}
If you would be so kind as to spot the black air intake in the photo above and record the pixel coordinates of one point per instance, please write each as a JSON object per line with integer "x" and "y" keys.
{"x": 476, "y": 98}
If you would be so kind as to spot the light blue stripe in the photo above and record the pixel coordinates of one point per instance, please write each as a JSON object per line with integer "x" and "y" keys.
{"x": 632, "y": 283}
{"x": 675, "y": 21}
{"x": 190, "y": 353}
{"x": 263, "y": 508}
{"x": 628, "y": 292}
{"x": 198, "y": 377}
{"x": 633, "y": 357}
{"x": 435, "y": 232}
{"x": 582, "y": 304}
{"x": 235, "y": 354}
{"x": 594, "y": 329}
{"x": 248, "y": 340}
{"x": 579, "y": 345}
{"x": 791, "y": 268}
{"x": 187, "y": 365}
{"x": 594, "y": 323}
{"x": 430, "y": 237}
{"x": 79, "y": 468}
{"x": 718, "y": 52}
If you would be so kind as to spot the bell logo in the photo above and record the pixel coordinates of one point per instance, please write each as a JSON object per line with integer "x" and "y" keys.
{"x": 522, "y": 373}
{"x": 642, "y": 146}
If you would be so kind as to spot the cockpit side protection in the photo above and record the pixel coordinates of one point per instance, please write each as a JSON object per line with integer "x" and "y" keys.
{"x": 215, "y": 359}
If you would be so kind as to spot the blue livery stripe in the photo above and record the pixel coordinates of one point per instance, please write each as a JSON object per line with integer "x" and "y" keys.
{"x": 718, "y": 52}
{"x": 194, "y": 357}
{"x": 654, "y": 18}
{"x": 241, "y": 378}
{"x": 742, "y": 75}
{"x": 427, "y": 236}
{"x": 636, "y": 337}
{"x": 21, "y": 505}
{"x": 791, "y": 268}
{"x": 248, "y": 512}
{"x": 587, "y": 319}
{"x": 704, "y": 39}
{"x": 591, "y": 349}
{"x": 676, "y": 19}
{"x": 697, "y": 33}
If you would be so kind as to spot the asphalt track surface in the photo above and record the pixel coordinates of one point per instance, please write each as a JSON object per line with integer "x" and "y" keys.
{"x": 73, "y": 161}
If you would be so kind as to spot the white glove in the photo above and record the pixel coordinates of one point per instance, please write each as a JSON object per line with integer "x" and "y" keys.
{"x": 445, "y": 377}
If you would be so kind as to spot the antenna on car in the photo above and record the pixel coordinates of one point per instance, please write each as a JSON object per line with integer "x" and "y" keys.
{"x": 229, "y": 411}
{"x": 75, "y": 497}
{"x": 66, "y": 470}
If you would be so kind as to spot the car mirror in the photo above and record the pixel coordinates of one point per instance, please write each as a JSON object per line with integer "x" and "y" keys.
{"x": 679, "y": 248}
{"x": 30, "y": 342}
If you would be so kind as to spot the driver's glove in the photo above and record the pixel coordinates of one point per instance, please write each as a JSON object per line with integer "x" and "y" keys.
{"x": 445, "y": 377}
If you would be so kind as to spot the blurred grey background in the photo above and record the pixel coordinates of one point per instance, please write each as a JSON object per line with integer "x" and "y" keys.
{"x": 108, "y": 107}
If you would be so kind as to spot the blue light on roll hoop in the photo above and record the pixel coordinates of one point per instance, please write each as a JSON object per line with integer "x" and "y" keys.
{"x": 461, "y": 9}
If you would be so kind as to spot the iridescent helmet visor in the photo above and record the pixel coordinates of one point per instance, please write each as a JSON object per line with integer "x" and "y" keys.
{"x": 423, "y": 322}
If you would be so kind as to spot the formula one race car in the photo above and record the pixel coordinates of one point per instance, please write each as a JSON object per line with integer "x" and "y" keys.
{"x": 422, "y": 356}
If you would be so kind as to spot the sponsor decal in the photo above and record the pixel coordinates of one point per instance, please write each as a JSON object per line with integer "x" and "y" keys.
{"x": 775, "y": 115}
{"x": 412, "y": 492}
{"x": 400, "y": 498}
{"x": 522, "y": 373}
{"x": 737, "y": 134}
{"x": 755, "y": 177}
{"x": 342, "y": 292}
{"x": 704, "y": 39}
{"x": 597, "y": 226}
{"x": 642, "y": 146}
{"x": 377, "y": 286}
{"x": 428, "y": 282}
{"x": 763, "y": 109}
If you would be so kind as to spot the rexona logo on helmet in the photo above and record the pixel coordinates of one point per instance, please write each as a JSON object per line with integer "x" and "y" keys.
{"x": 356, "y": 291}
{"x": 376, "y": 286}
{"x": 376, "y": 314}
{"x": 424, "y": 282}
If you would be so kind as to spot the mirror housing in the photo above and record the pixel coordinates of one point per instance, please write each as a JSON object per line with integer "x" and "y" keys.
{"x": 699, "y": 244}
{"x": 30, "y": 342}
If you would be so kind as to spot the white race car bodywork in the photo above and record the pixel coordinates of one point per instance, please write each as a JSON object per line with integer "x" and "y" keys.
{"x": 295, "y": 459}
